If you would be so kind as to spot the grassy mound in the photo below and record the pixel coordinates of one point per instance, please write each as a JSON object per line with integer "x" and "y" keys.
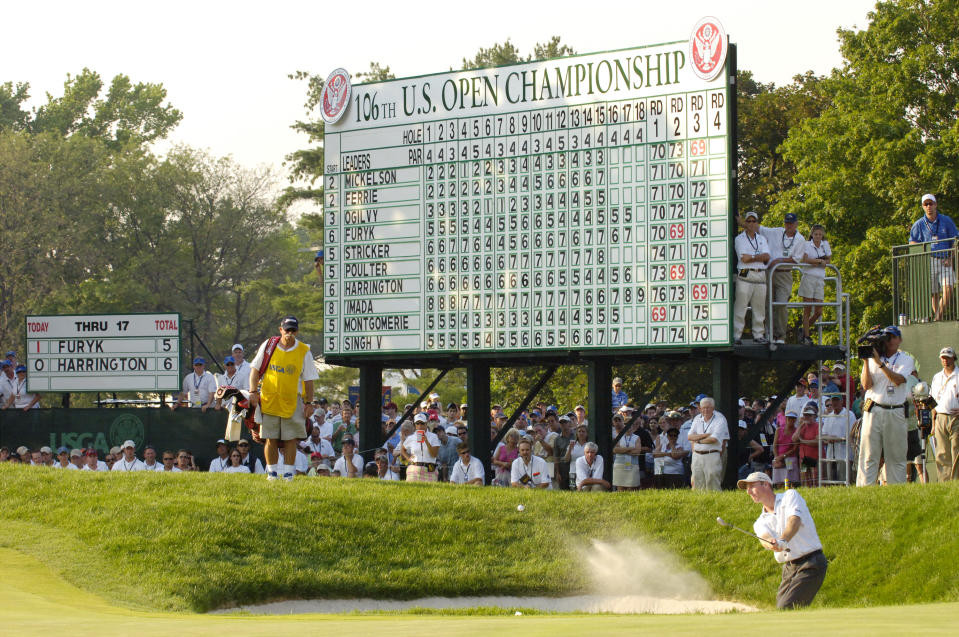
{"x": 199, "y": 541}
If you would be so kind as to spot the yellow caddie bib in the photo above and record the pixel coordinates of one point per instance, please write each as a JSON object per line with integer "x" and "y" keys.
{"x": 281, "y": 381}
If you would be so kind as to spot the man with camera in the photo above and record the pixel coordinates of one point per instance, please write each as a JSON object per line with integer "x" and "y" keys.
{"x": 945, "y": 391}
{"x": 883, "y": 434}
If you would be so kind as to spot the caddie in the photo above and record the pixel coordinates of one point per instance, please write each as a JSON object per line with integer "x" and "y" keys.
{"x": 276, "y": 372}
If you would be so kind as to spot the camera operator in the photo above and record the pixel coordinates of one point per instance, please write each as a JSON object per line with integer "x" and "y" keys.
{"x": 884, "y": 427}
{"x": 945, "y": 391}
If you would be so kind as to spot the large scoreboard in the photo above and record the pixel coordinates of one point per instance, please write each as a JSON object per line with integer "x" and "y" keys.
{"x": 579, "y": 203}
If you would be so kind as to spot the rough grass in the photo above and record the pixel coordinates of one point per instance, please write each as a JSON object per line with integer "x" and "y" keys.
{"x": 201, "y": 541}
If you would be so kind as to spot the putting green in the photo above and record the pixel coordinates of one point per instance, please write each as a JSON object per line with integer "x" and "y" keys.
{"x": 38, "y": 601}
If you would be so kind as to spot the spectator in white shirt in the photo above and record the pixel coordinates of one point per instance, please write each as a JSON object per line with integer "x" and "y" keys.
{"x": 589, "y": 470}
{"x": 945, "y": 391}
{"x": 350, "y": 464}
{"x": 529, "y": 471}
{"x": 63, "y": 459}
{"x": 467, "y": 470}
{"x": 232, "y": 378}
{"x": 816, "y": 252}
{"x": 752, "y": 252}
{"x": 21, "y": 398}
{"x": 199, "y": 387}
{"x": 222, "y": 460}
{"x": 252, "y": 463}
{"x": 236, "y": 463}
{"x": 169, "y": 462}
{"x": 301, "y": 463}
{"x": 837, "y": 423}
{"x": 91, "y": 462}
{"x": 128, "y": 461}
{"x": 671, "y": 453}
{"x": 383, "y": 469}
{"x": 150, "y": 459}
{"x": 708, "y": 434}
{"x": 420, "y": 449}
{"x": 242, "y": 367}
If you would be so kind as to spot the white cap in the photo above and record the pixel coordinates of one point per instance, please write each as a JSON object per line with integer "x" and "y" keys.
{"x": 742, "y": 424}
{"x": 927, "y": 196}
{"x": 742, "y": 403}
{"x": 420, "y": 418}
{"x": 434, "y": 396}
{"x": 237, "y": 346}
{"x": 578, "y": 407}
{"x": 452, "y": 430}
{"x": 617, "y": 381}
{"x": 755, "y": 476}
{"x": 947, "y": 351}
{"x": 751, "y": 215}
{"x": 46, "y": 450}
{"x": 128, "y": 443}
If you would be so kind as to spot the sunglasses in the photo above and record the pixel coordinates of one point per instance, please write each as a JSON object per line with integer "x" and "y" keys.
{"x": 243, "y": 444}
{"x": 168, "y": 459}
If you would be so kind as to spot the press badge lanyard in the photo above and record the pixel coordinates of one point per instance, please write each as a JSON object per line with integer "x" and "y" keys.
{"x": 933, "y": 234}
{"x": 889, "y": 363}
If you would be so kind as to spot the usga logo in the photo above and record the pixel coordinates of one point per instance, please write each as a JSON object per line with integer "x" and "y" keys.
{"x": 335, "y": 96}
{"x": 707, "y": 48}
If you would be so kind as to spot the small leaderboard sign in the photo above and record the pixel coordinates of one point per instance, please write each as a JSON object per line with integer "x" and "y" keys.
{"x": 103, "y": 352}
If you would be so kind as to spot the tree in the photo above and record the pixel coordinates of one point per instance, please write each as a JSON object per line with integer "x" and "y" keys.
{"x": 889, "y": 134}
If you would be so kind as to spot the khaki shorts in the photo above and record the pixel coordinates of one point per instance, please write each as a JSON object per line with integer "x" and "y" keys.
{"x": 812, "y": 287}
{"x": 277, "y": 428}
{"x": 625, "y": 475}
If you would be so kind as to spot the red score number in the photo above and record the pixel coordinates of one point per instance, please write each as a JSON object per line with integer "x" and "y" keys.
{"x": 697, "y": 147}
{"x": 659, "y": 313}
{"x": 700, "y": 292}
{"x": 677, "y": 230}
{"x": 677, "y": 272}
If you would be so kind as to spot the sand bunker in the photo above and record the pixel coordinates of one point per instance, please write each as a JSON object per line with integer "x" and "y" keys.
{"x": 626, "y": 604}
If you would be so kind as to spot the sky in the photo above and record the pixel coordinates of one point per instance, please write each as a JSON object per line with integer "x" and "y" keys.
{"x": 225, "y": 65}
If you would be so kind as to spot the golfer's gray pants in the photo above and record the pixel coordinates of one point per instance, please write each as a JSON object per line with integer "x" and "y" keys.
{"x": 801, "y": 581}
{"x": 782, "y": 288}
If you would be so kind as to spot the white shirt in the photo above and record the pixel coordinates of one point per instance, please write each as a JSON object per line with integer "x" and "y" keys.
{"x": 390, "y": 475}
{"x": 8, "y": 387}
{"x": 326, "y": 429}
{"x": 101, "y": 466}
{"x": 218, "y": 464}
{"x": 796, "y": 403}
{"x": 243, "y": 375}
{"x": 341, "y": 466}
{"x": 882, "y": 390}
{"x": 257, "y": 465}
{"x": 781, "y": 246}
{"x": 584, "y": 470}
{"x": 123, "y": 465}
{"x": 537, "y": 471}
{"x": 156, "y": 466}
{"x": 629, "y": 440}
{"x": 945, "y": 389}
{"x": 838, "y": 425}
{"x": 20, "y": 396}
{"x": 773, "y": 524}
{"x": 418, "y": 450}
{"x": 322, "y": 447}
{"x": 671, "y": 465}
{"x": 816, "y": 252}
{"x": 716, "y": 427}
{"x": 575, "y": 454}
{"x": 308, "y": 371}
{"x": 236, "y": 380}
{"x": 238, "y": 469}
{"x": 199, "y": 388}
{"x": 751, "y": 246}
{"x": 461, "y": 474}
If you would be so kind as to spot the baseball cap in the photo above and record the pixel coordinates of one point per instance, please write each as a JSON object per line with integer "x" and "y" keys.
{"x": 290, "y": 323}
{"x": 114, "y": 450}
{"x": 63, "y": 450}
{"x": 319, "y": 254}
{"x": 742, "y": 424}
{"x": 742, "y": 403}
{"x": 130, "y": 444}
{"x": 947, "y": 351}
{"x": 617, "y": 381}
{"x": 564, "y": 418}
{"x": 839, "y": 366}
{"x": 892, "y": 329}
{"x": 432, "y": 414}
{"x": 316, "y": 455}
{"x": 5, "y": 363}
{"x": 626, "y": 409}
{"x": 199, "y": 361}
{"x": 814, "y": 383}
{"x": 927, "y": 196}
{"x": 792, "y": 413}
{"x": 22, "y": 450}
{"x": 451, "y": 430}
{"x": 810, "y": 409}
{"x": 46, "y": 449}
{"x": 349, "y": 441}
{"x": 76, "y": 453}
{"x": 10, "y": 353}
{"x": 463, "y": 406}
{"x": 755, "y": 476}
{"x": 578, "y": 407}
{"x": 751, "y": 215}
{"x": 450, "y": 406}
{"x": 699, "y": 397}
{"x": 221, "y": 441}
{"x": 20, "y": 368}
{"x": 236, "y": 346}
{"x": 420, "y": 417}
{"x": 229, "y": 360}
{"x": 790, "y": 217}
{"x": 434, "y": 395}
{"x": 673, "y": 414}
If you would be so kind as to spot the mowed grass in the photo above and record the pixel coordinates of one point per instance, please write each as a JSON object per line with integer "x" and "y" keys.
{"x": 38, "y": 602}
{"x": 196, "y": 542}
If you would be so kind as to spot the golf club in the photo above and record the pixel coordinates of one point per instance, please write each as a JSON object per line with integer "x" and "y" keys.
{"x": 726, "y": 524}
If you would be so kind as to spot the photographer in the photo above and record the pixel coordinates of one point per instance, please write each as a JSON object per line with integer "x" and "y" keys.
{"x": 945, "y": 391}
{"x": 883, "y": 432}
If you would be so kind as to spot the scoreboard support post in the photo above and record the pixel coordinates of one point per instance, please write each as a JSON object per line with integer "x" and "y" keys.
{"x": 599, "y": 375}
{"x": 726, "y": 395}
{"x": 371, "y": 408}
{"x": 477, "y": 413}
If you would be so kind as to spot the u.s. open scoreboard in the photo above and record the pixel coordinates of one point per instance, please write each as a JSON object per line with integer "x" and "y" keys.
{"x": 573, "y": 204}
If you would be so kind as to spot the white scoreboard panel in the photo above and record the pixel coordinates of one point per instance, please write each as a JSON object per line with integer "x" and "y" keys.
{"x": 103, "y": 352}
{"x": 573, "y": 204}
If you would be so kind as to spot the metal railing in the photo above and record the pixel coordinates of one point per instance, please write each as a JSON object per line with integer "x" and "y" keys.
{"x": 924, "y": 282}
{"x": 835, "y": 304}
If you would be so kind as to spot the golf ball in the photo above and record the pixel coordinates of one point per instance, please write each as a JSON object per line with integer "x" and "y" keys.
{"x": 520, "y": 507}
{"x": 518, "y": 612}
